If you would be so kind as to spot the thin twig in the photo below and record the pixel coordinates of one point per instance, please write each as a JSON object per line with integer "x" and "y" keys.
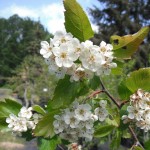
{"x": 119, "y": 106}
{"x": 123, "y": 103}
{"x": 135, "y": 137}
{"x": 60, "y": 147}
{"x": 109, "y": 95}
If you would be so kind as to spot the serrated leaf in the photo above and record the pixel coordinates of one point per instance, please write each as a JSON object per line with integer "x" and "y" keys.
{"x": 139, "y": 79}
{"x": 39, "y": 109}
{"x": 102, "y": 131}
{"x": 116, "y": 141}
{"x": 66, "y": 92}
{"x": 45, "y": 125}
{"x": 76, "y": 21}
{"x": 125, "y": 46}
{"x": 123, "y": 91}
{"x": 48, "y": 144}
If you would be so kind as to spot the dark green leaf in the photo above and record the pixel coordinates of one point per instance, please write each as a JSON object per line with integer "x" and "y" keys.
{"x": 102, "y": 131}
{"x": 76, "y": 21}
{"x": 39, "y": 109}
{"x": 139, "y": 79}
{"x": 127, "y": 45}
{"x": 123, "y": 91}
{"x": 66, "y": 92}
{"x": 45, "y": 125}
{"x": 28, "y": 135}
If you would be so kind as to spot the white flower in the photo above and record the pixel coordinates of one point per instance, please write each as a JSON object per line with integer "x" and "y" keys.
{"x": 103, "y": 103}
{"x": 102, "y": 113}
{"x": 71, "y": 120}
{"x": 60, "y": 38}
{"x": 46, "y": 49}
{"x": 83, "y": 112}
{"x": 64, "y": 56}
{"x": 104, "y": 48}
{"x": 25, "y": 112}
{"x": 81, "y": 73}
{"x": 11, "y": 120}
{"x": 91, "y": 59}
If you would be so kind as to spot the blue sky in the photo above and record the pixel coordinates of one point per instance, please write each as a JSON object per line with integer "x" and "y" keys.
{"x": 50, "y": 12}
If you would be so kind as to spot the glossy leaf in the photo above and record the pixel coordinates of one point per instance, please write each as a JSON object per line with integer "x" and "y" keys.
{"x": 139, "y": 79}
{"x": 66, "y": 92}
{"x": 102, "y": 131}
{"x": 76, "y": 21}
{"x": 39, "y": 109}
{"x": 45, "y": 126}
{"x": 125, "y": 46}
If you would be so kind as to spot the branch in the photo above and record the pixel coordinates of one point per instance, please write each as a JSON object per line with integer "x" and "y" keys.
{"x": 135, "y": 137}
{"x": 119, "y": 106}
{"x": 109, "y": 95}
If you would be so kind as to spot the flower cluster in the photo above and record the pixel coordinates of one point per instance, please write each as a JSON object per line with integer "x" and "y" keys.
{"x": 139, "y": 110}
{"x": 67, "y": 55}
{"x": 78, "y": 121}
{"x": 24, "y": 121}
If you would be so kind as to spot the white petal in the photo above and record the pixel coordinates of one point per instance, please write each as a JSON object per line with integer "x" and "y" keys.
{"x": 67, "y": 63}
{"x": 59, "y": 62}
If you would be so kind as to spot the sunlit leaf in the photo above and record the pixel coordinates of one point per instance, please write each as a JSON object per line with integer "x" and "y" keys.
{"x": 76, "y": 21}
{"x": 125, "y": 46}
{"x": 139, "y": 79}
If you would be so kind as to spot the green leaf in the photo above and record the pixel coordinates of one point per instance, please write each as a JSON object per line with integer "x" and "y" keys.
{"x": 147, "y": 145}
{"x": 94, "y": 83}
{"x": 116, "y": 141}
{"x": 123, "y": 91}
{"x": 124, "y": 47}
{"x": 7, "y": 107}
{"x": 76, "y": 21}
{"x": 139, "y": 79}
{"x": 102, "y": 131}
{"x": 137, "y": 148}
{"x": 45, "y": 125}
{"x": 115, "y": 117}
{"x": 39, "y": 109}
{"x": 48, "y": 144}
{"x": 66, "y": 92}
{"x": 119, "y": 69}
{"x": 27, "y": 135}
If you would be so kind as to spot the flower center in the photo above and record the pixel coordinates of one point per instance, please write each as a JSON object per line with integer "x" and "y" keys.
{"x": 63, "y": 55}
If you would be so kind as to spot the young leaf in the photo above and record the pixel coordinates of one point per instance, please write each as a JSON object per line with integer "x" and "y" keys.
{"x": 48, "y": 144}
{"x": 39, "y": 109}
{"x": 125, "y": 46}
{"x": 102, "y": 131}
{"x": 76, "y": 21}
{"x": 123, "y": 91}
{"x": 45, "y": 126}
{"x": 94, "y": 83}
{"x": 66, "y": 92}
{"x": 139, "y": 79}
